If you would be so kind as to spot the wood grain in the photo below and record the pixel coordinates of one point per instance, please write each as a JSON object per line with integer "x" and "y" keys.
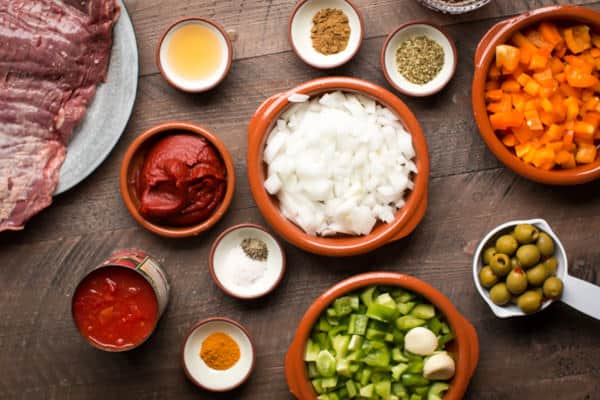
{"x": 552, "y": 355}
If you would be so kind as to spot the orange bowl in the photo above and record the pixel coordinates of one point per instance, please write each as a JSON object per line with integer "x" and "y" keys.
{"x": 134, "y": 159}
{"x": 406, "y": 219}
{"x": 465, "y": 346}
{"x": 484, "y": 56}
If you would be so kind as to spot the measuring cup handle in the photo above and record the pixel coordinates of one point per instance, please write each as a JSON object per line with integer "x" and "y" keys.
{"x": 582, "y": 296}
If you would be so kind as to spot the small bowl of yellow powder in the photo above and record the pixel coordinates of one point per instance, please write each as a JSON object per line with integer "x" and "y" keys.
{"x": 418, "y": 59}
{"x": 325, "y": 33}
{"x": 218, "y": 354}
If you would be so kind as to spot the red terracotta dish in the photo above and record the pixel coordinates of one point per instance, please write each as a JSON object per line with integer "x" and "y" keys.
{"x": 484, "y": 56}
{"x": 133, "y": 162}
{"x": 406, "y": 219}
{"x": 465, "y": 346}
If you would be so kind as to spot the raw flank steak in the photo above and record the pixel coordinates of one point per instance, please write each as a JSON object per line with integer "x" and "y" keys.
{"x": 53, "y": 54}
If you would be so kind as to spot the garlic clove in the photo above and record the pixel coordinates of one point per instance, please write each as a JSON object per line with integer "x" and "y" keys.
{"x": 420, "y": 341}
{"x": 439, "y": 366}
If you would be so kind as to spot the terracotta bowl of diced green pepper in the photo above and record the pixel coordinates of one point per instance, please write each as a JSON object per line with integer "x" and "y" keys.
{"x": 357, "y": 340}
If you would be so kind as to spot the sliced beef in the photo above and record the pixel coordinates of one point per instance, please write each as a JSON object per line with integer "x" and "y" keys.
{"x": 53, "y": 54}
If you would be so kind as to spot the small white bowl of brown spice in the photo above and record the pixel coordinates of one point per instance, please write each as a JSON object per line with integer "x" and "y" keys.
{"x": 325, "y": 33}
{"x": 418, "y": 59}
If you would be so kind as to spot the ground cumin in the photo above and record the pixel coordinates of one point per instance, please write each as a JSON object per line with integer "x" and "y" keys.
{"x": 219, "y": 351}
{"x": 331, "y": 31}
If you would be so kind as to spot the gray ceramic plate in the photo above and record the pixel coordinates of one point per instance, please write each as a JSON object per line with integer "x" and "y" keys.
{"x": 109, "y": 112}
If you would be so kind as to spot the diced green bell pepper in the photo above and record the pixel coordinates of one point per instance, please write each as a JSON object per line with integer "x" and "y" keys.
{"x": 415, "y": 396}
{"x": 436, "y": 391}
{"x": 365, "y": 376}
{"x": 376, "y": 354}
{"x": 398, "y": 370}
{"x": 397, "y": 355}
{"x": 405, "y": 308}
{"x": 367, "y": 295}
{"x": 326, "y": 363}
{"x": 414, "y": 380}
{"x": 352, "y": 389}
{"x": 312, "y": 370}
{"x": 358, "y": 324}
{"x": 415, "y": 366}
{"x": 343, "y": 368}
{"x": 343, "y": 306}
{"x": 340, "y": 345}
{"x": 385, "y": 300}
{"x": 399, "y": 390}
{"x": 384, "y": 389}
{"x": 311, "y": 351}
{"x": 434, "y": 325}
{"x": 374, "y": 334}
{"x": 355, "y": 342}
{"x": 366, "y": 391}
{"x": 382, "y": 312}
{"x": 423, "y": 311}
{"x": 316, "y": 384}
{"x": 408, "y": 322}
{"x": 329, "y": 383}
{"x": 323, "y": 325}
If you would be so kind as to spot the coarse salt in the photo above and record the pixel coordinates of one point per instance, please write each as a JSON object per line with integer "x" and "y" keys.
{"x": 241, "y": 270}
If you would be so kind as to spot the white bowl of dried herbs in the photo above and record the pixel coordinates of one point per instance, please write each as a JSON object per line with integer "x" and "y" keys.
{"x": 418, "y": 59}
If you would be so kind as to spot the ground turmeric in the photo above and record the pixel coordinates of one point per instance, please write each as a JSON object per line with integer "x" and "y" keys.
{"x": 219, "y": 351}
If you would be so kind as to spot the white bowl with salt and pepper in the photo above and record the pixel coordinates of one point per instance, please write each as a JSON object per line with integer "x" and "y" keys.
{"x": 246, "y": 261}
{"x": 301, "y": 23}
{"x": 410, "y": 31}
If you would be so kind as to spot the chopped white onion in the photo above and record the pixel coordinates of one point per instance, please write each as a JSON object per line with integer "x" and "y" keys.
{"x": 339, "y": 163}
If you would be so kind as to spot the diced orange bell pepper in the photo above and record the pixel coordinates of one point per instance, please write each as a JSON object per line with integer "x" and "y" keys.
{"x": 572, "y": 108}
{"x": 518, "y": 101}
{"x": 525, "y": 46}
{"x": 492, "y": 84}
{"x": 580, "y": 63}
{"x": 509, "y": 140}
{"x": 494, "y": 72}
{"x": 584, "y": 130}
{"x": 539, "y": 60}
{"x": 546, "y": 105}
{"x": 556, "y": 65}
{"x": 554, "y": 132}
{"x": 558, "y": 106}
{"x": 578, "y": 38}
{"x": 494, "y": 95}
{"x": 510, "y": 86}
{"x": 568, "y": 137}
{"x": 570, "y": 91}
{"x": 586, "y": 153}
{"x": 544, "y": 78}
{"x": 504, "y": 105}
{"x": 547, "y": 118}
{"x": 578, "y": 78}
{"x": 504, "y": 120}
{"x": 532, "y": 87}
{"x": 543, "y": 156}
{"x": 533, "y": 121}
{"x": 523, "y": 133}
{"x": 550, "y": 33}
{"x": 507, "y": 57}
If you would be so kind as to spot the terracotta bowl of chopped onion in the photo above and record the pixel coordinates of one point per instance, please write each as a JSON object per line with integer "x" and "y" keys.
{"x": 401, "y": 221}
{"x": 485, "y": 54}
{"x": 464, "y": 347}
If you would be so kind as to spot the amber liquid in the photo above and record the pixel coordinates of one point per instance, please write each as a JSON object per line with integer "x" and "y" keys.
{"x": 194, "y": 52}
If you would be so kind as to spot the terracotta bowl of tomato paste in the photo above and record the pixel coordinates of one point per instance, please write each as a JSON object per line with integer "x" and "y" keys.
{"x": 464, "y": 347}
{"x": 406, "y": 219}
{"x": 485, "y": 56}
{"x": 177, "y": 179}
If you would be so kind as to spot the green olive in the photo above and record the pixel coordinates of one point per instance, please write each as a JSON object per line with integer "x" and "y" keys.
{"x": 530, "y": 301}
{"x": 545, "y": 244}
{"x": 553, "y": 288}
{"x": 528, "y": 255}
{"x": 526, "y": 233}
{"x": 537, "y": 275}
{"x": 487, "y": 277}
{"x": 514, "y": 263}
{"x": 551, "y": 264}
{"x": 500, "y": 264}
{"x": 500, "y": 294}
{"x": 516, "y": 282}
{"x": 488, "y": 254}
{"x": 507, "y": 244}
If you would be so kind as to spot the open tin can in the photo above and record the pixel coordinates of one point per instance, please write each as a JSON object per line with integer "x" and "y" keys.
{"x": 144, "y": 266}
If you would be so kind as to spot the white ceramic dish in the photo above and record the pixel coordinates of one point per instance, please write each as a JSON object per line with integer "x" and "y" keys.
{"x": 232, "y": 237}
{"x": 201, "y": 374}
{"x": 97, "y": 135}
{"x": 390, "y": 69}
{"x": 460, "y": 7}
{"x": 195, "y": 86}
{"x": 300, "y": 25}
{"x": 577, "y": 293}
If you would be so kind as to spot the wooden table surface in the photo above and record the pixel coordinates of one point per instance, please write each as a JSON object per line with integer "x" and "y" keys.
{"x": 552, "y": 355}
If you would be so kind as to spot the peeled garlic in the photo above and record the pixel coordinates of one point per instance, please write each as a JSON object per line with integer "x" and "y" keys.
{"x": 420, "y": 341}
{"x": 439, "y": 366}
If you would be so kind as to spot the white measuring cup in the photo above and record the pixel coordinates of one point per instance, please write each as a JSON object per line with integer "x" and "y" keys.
{"x": 577, "y": 293}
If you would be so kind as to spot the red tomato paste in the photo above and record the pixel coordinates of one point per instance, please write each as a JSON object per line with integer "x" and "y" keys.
{"x": 182, "y": 180}
{"x": 115, "y": 308}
